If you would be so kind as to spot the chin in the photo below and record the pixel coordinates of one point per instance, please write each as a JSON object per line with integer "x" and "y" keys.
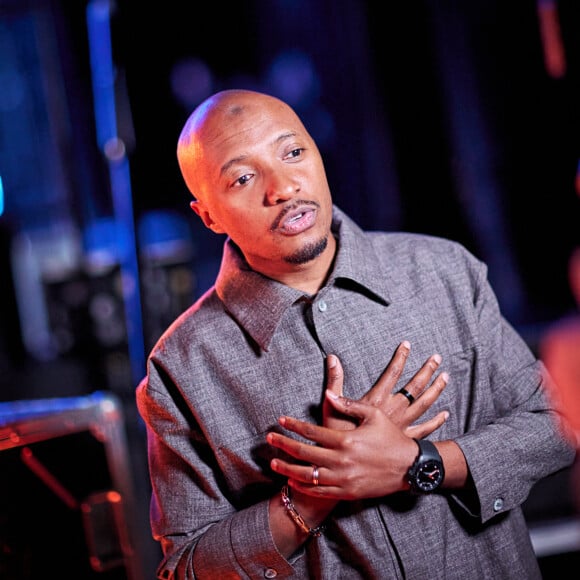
{"x": 308, "y": 252}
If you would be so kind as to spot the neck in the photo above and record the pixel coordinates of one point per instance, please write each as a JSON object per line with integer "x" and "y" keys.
{"x": 314, "y": 274}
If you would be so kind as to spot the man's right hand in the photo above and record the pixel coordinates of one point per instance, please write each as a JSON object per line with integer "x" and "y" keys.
{"x": 373, "y": 458}
{"x": 399, "y": 413}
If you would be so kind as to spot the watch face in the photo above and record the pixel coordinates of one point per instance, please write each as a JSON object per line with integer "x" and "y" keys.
{"x": 429, "y": 475}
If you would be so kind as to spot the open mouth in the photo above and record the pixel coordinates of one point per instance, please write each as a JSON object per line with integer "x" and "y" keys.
{"x": 294, "y": 220}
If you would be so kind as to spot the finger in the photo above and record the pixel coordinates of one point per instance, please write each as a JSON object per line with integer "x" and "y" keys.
{"x": 426, "y": 399}
{"x": 335, "y": 382}
{"x": 294, "y": 472}
{"x": 423, "y": 376}
{"x": 431, "y": 394}
{"x": 411, "y": 413}
{"x": 426, "y": 428}
{"x": 326, "y": 438}
{"x": 387, "y": 381}
{"x": 319, "y": 491}
{"x": 295, "y": 449}
{"x": 330, "y": 491}
{"x": 359, "y": 410}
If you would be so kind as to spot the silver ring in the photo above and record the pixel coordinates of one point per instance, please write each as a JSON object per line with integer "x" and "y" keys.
{"x": 315, "y": 475}
{"x": 406, "y": 393}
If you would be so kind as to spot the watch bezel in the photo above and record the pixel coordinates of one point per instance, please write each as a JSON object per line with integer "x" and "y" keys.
{"x": 428, "y": 460}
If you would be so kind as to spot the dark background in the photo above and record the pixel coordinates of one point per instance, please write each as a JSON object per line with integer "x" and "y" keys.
{"x": 442, "y": 117}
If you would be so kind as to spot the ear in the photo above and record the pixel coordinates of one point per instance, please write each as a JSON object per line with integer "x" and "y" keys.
{"x": 199, "y": 208}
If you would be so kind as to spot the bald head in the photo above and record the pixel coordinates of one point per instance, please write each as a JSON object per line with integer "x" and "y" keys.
{"x": 257, "y": 175}
{"x": 216, "y": 119}
{"x": 229, "y": 103}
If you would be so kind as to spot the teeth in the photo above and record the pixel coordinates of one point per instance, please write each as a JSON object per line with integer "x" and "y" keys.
{"x": 296, "y": 218}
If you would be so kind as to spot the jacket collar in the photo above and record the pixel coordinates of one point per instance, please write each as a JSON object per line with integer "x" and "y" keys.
{"x": 259, "y": 303}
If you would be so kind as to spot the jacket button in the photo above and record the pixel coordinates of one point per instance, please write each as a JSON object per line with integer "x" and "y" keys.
{"x": 270, "y": 573}
{"x": 498, "y": 505}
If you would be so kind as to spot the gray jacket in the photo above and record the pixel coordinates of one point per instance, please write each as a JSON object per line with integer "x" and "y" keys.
{"x": 251, "y": 350}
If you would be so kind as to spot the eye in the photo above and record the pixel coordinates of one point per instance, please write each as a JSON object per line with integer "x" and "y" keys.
{"x": 243, "y": 179}
{"x": 295, "y": 153}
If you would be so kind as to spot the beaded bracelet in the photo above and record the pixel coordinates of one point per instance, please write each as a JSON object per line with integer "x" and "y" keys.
{"x": 298, "y": 519}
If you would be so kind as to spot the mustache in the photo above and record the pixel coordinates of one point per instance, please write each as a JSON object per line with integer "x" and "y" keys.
{"x": 295, "y": 204}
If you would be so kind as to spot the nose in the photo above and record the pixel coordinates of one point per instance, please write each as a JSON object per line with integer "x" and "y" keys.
{"x": 280, "y": 187}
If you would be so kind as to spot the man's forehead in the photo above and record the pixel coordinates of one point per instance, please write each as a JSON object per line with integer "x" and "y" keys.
{"x": 225, "y": 129}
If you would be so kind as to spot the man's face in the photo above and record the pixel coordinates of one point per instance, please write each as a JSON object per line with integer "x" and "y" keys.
{"x": 259, "y": 178}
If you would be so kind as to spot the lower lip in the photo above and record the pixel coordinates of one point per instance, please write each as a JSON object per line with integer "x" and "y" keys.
{"x": 297, "y": 226}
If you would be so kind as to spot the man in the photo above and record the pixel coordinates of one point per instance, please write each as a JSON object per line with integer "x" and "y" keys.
{"x": 281, "y": 443}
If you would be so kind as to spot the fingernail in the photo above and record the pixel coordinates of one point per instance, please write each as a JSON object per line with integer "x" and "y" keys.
{"x": 331, "y": 361}
{"x": 406, "y": 344}
{"x": 331, "y": 394}
{"x": 445, "y": 376}
{"x": 437, "y": 358}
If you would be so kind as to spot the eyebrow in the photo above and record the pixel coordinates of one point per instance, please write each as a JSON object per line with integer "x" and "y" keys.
{"x": 224, "y": 168}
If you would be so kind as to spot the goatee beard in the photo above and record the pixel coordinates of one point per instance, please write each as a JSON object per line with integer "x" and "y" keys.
{"x": 308, "y": 252}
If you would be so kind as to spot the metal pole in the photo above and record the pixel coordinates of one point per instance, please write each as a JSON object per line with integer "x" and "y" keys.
{"x": 114, "y": 150}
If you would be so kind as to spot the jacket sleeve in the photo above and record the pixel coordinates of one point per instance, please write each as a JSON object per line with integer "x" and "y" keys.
{"x": 202, "y": 534}
{"x": 525, "y": 439}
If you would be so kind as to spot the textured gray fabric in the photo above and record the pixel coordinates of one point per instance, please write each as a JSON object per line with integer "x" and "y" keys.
{"x": 252, "y": 349}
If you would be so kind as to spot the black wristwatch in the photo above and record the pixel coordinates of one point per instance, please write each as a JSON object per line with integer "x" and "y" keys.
{"x": 427, "y": 472}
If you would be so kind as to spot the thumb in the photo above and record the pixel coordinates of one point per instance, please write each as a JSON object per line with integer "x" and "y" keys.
{"x": 335, "y": 380}
{"x": 349, "y": 407}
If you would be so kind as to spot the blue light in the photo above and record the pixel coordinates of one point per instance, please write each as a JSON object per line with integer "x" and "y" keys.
{"x": 1, "y": 197}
